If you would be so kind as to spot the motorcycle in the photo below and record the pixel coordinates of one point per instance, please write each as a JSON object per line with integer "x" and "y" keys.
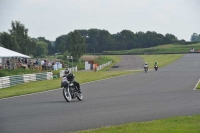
{"x": 70, "y": 91}
{"x": 156, "y": 68}
{"x": 145, "y": 69}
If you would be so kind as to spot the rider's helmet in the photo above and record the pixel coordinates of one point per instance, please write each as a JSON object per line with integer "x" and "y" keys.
{"x": 67, "y": 71}
{"x": 146, "y": 63}
{"x": 155, "y": 62}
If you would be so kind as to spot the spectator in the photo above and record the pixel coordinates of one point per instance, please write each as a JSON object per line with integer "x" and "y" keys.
{"x": 42, "y": 64}
{"x": 8, "y": 63}
{"x": 25, "y": 62}
{"x": 36, "y": 62}
{"x": 29, "y": 63}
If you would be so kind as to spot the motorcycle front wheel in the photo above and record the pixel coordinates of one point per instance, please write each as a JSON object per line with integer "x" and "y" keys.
{"x": 80, "y": 97}
{"x": 67, "y": 95}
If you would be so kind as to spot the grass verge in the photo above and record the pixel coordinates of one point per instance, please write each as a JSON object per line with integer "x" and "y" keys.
{"x": 161, "y": 49}
{"x": 162, "y": 60}
{"x": 39, "y": 86}
{"x": 184, "y": 124}
{"x": 198, "y": 86}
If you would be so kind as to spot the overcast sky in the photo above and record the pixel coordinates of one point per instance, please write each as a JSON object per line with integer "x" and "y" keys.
{"x": 52, "y": 18}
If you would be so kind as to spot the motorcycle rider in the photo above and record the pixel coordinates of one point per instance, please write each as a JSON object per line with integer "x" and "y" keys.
{"x": 146, "y": 65}
{"x": 155, "y": 64}
{"x": 71, "y": 76}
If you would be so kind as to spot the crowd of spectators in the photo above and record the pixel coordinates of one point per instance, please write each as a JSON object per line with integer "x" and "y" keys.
{"x": 42, "y": 64}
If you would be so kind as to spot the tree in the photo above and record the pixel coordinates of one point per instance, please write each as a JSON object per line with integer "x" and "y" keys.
{"x": 51, "y": 47}
{"x": 194, "y": 37}
{"x": 66, "y": 55}
{"x": 19, "y": 32}
{"x": 76, "y": 44}
{"x": 170, "y": 38}
{"x": 93, "y": 40}
{"x": 41, "y": 49}
{"x": 9, "y": 41}
{"x": 198, "y": 38}
{"x": 61, "y": 44}
{"x": 128, "y": 39}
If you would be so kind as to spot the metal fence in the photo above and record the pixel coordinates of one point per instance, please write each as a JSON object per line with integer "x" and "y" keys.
{"x": 19, "y": 79}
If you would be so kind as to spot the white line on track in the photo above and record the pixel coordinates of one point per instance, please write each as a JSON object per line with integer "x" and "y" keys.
{"x": 61, "y": 88}
{"x": 196, "y": 85}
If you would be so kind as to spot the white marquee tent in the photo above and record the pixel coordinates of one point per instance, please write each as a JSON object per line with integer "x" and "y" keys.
{"x": 7, "y": 53}
{"x": 12, "y": 55}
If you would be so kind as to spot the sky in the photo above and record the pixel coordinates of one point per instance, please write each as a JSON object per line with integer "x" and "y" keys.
{"x": 53, "y": 18}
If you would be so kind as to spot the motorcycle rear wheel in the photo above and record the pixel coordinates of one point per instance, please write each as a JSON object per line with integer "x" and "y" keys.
{"x": 67, "y": 95}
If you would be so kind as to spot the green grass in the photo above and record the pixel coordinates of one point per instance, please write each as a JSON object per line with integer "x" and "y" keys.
{"x": 39, "y": 86}
{"x": 198, "y": 86}
{"x": 184, "y": 124}
{"x": 162, "y": 60}
{"x": 114, "y": 59}
{"x": 161, "y": 49}
{"x": 6, "y": 72}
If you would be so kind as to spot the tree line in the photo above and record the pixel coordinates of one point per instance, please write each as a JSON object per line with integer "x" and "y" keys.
{"x": 195, "y": 37}
{"x": 17, "y": 39}
{"x": 78, "y": 42}
{"x": 97, "y": 40}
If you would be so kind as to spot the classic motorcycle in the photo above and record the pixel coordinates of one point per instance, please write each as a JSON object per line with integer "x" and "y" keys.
{"x": 145, "y": 69}
{"x": 156, "y": 68}
{"x": 70, "y": 91}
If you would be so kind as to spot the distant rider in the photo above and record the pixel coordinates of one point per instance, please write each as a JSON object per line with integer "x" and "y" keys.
{"x": 69, "y": 75}
{"x": 155, "y": 64}
{"x": 146, "y": 66}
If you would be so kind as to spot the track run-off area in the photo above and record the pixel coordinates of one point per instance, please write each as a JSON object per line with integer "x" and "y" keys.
{"x": 131, "y": 98}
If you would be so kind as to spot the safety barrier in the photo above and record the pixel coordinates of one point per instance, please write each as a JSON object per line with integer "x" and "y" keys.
{"x": 104, "y": 65}
{"x": 19, "y": 79}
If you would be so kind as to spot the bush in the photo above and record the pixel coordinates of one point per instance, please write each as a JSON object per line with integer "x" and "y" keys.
{"x": 56, "y": 72}
{"x": 3, "y": 73}
{"x": 60, "y": 57}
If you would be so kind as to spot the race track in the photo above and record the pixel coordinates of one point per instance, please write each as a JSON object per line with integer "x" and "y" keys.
{"x": 136, "y": 97}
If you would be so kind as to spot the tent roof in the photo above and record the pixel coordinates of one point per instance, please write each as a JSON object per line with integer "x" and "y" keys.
{"x": 7, "y": 53}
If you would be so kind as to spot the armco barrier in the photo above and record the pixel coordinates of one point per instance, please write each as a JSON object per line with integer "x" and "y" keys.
{"x": 19, "y": 79}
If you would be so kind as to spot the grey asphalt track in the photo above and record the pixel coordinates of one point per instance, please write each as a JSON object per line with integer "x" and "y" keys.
{"x": 129, "y": 62}
{"x": 131, "y": 98}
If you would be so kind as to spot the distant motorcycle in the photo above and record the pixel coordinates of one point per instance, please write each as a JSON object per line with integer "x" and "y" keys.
{"x": 145, "y": 69}
{"x": 156, "y": 68}
{"x": 71, "y": 91}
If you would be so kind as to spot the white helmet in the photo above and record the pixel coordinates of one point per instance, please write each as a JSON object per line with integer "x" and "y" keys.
{"x": 67, "y": 71}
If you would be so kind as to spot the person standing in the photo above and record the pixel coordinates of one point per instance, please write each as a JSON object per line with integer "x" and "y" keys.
{"x": 29, "y": 63}
{"x": 8, "y": 63}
